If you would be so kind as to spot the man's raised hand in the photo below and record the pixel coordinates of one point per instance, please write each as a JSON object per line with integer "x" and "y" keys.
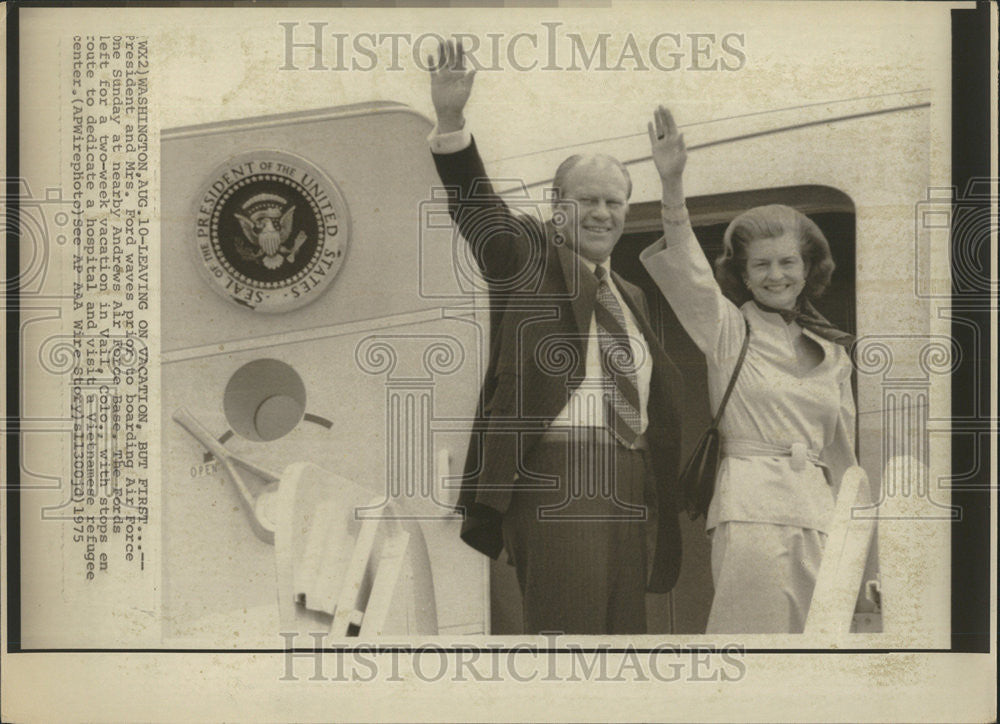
{"x": 451, "y": 84}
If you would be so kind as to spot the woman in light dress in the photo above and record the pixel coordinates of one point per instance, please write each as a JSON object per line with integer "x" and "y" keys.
{"x": 788, "y": 428}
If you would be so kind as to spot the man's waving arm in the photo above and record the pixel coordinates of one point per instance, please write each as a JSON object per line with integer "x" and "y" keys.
{"x": 499, "y": 239}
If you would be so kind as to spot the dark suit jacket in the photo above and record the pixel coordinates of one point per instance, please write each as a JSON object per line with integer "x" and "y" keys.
{"x": 541, "y": 303}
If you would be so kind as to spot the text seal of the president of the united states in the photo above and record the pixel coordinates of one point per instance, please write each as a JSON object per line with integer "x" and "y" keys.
{"x": 272, "y": 230}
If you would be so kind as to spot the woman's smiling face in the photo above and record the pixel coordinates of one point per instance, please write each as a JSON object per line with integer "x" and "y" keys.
{"x": 775, "y": 273}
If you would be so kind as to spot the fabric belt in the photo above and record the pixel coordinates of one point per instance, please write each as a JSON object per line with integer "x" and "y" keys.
{"x": 799, "y": 452}
{"x": 595, "y": 435}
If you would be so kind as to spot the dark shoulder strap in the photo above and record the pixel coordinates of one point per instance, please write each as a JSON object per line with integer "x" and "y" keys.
{"x": 732, "y": 380}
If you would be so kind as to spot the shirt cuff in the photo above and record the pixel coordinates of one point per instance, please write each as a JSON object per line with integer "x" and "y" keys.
{"x": 449, "y": 142}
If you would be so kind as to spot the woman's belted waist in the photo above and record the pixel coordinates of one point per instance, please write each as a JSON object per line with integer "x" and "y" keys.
{"x": 799, "y": 452}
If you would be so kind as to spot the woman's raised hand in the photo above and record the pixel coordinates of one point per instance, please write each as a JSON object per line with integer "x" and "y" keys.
{"x": 669, "y": 152}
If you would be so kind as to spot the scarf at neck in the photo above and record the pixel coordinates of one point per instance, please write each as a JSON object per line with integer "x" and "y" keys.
{"x": 805, "y": 315}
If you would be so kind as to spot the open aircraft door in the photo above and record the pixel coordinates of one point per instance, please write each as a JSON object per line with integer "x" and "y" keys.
{"x": 307, "y": 327}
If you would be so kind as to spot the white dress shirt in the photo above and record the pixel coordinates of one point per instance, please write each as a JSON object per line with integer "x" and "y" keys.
{"x": 585, "y": 407}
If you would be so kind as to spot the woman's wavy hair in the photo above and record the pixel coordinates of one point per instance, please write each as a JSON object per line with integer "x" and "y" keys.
{"x": 767, "y": 222}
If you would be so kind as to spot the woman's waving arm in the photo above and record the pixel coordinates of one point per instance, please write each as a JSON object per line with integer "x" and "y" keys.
{"x": 676, "y": 262}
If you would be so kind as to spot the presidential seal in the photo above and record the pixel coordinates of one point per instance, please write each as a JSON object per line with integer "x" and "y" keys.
{"x": 272, "y": 230}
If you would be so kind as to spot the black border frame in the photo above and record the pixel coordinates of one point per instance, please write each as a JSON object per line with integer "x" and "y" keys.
{"x": 970, "y": 134}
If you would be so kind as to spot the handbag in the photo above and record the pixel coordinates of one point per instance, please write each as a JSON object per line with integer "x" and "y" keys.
{"x": 698, "y": 475}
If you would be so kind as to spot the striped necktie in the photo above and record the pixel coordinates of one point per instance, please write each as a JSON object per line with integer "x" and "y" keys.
{"x": 622, "y": 409}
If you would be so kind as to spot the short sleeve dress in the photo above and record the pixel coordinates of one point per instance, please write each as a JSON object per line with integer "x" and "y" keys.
{"x": 787, "y": 438}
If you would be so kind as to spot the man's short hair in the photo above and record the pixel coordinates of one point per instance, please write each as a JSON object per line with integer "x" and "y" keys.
{"x": 576, "y": 159}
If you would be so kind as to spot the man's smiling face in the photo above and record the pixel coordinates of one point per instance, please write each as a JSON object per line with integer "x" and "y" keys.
{"x": 600, "y": 192}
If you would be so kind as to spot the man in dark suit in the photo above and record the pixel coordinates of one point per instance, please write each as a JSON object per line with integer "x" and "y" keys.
{"x": 574, "y": 451}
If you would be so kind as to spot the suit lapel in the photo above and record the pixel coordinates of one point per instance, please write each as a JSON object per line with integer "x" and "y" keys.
{"x": 581, "y": 286}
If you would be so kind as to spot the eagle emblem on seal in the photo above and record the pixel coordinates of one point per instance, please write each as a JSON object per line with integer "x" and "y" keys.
{"x": 267, "y": 224}
{"x": 270, "y": 230}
